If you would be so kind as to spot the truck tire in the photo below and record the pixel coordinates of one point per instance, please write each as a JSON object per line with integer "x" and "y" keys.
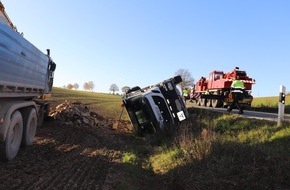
{"x": 12, "y": 143}
{"x": 41, "y": 116}
{"x": 216, "y": 103}
{"x": 198, "y": 102}
{"x": 29, "y": 128}
{"x": 208, "y": 102}
{"x": 203, "y": 102}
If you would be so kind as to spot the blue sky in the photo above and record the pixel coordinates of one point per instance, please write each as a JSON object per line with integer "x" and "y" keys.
{"x": 142, "y": 42}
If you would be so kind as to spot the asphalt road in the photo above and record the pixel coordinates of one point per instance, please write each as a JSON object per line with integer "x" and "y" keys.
{"x": 250, "y": 114}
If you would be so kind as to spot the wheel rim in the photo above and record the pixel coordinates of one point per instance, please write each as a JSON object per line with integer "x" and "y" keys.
{"x": 214, "y": 103}
{"x": 14, "y": 136}
{"x": 198, "y": 102}
{"x": 13, "y": 140}
{"x": 208, "y": 103}
{"x": 202, "y": 102}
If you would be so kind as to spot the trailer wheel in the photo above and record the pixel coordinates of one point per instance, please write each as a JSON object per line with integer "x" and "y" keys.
{"x": 30, "y": 128}
{"x": 12, "y": 143}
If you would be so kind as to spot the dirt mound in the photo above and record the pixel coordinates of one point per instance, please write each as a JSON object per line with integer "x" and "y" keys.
{"x": 78, "y": 114}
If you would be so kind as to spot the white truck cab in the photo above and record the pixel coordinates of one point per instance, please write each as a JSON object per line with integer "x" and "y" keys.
{"x": 152, "y": 108}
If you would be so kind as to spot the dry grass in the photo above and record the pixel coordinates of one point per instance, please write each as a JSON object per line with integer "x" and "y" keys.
{"x": 233, "y": 153}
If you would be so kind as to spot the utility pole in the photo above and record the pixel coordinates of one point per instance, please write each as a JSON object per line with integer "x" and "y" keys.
{"x": 281, "y": 105}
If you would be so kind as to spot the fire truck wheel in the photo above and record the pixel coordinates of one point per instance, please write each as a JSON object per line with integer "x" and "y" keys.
{"x": 202, "y": 102}
{"x": 216, "y": 103}
{"x": 30, "y": 128}
{"x": 208, "y": 103}
{"x": 198, "y": 102}
{"x": 12, "y": 143}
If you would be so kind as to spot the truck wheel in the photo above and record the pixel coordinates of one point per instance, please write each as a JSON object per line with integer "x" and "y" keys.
{"x": 30, "y": 128}
{"x": 202, "y": 102}
{"x": 208, "y": 102}
{"x": 12, "y": 143}
{"x": 216, "y": 103}
{"x": 41, "y": 116}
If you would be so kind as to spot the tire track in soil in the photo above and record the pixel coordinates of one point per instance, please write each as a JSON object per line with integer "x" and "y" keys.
{"x": 60, "y": 159}
{"x": 75, "y": 177}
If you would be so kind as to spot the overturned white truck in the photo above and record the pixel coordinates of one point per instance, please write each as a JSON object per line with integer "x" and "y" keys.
{"x": 153, "y": 108}
{"x": 26, "y": 78}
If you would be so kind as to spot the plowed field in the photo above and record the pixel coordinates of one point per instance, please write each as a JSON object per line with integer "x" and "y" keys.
{"x": 69, "y": 157}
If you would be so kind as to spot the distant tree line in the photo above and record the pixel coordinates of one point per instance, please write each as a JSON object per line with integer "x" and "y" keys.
{"x": 187, "y": 81}
{"x": 72, "y": 86}
{"x": 87, "y": 86}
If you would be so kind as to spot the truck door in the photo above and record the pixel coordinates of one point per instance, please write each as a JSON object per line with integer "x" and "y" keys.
{"x": 210, "y": 80}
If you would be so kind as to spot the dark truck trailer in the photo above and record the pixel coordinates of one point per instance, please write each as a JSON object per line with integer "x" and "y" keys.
{"x": 26, "y": 79}
{"x": 153, "y": 108}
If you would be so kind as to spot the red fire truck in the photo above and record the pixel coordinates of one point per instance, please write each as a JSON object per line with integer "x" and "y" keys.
{"x": 215, "y": 91}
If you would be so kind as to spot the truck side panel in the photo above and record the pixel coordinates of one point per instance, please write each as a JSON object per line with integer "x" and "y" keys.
{"x": 22, "y": 65}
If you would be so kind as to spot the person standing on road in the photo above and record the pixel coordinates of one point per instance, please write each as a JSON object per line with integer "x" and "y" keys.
{"x": 185, "y": 94}
{"x": 237, "y": 91}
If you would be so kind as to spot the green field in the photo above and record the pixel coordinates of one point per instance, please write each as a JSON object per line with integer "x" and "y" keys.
{"x": 269, "y": 101}
{"x": 107, "y": 105}
{"x": 209, "y": 151}
{"x": 270, "y": 104}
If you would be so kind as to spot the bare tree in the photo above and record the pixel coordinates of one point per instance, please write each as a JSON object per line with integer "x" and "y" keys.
{"x": 86, "y": 86}
{"x": 125, "y": 89}
{"x": 76, "y": 86}
{"x": 69, "y": 86}
{"x": 91, "y": 85}
{"x": 187, "y": 79}
{"x": 114, "y": 88}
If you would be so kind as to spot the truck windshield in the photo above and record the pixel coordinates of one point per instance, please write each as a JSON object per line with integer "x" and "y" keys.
{"x": 141, "y": 117}
{"x": 138, "y": 109}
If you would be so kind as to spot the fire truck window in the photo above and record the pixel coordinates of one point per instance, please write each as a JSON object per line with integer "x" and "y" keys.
{"x": 217, "y": 76}
{"x": 210, "y": 76}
